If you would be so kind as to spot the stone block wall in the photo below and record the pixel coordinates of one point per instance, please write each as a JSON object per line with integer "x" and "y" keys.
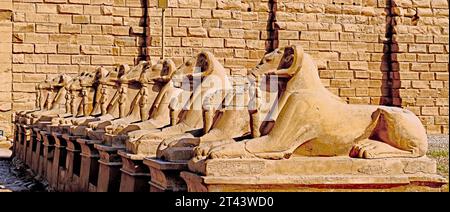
{"x": 71, "y": 36}
{"x": 391, "y": 52}
{"x": 235, "y": 31}
{"x": 420, "y": 59}
{"x": 5, "y": 66}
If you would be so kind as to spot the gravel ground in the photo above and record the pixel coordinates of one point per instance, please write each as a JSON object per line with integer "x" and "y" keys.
{"x": 15, "y": 177}
{"x": 438, "y": 149}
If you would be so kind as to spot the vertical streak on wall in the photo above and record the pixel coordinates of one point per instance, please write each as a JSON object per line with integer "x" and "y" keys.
{"x": 5, "y": 66}
{"x": 146, "y": 35}
{"x": 388, "y": 54}
{"x": 272, "y": 27}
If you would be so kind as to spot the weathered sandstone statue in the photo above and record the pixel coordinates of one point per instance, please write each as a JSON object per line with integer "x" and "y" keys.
{"x": 54, "y": 101}
{"x": 159, "y": 114}
{"x": 314, "y": 122}
{"x": 106, "y": 86}
{"x": 131, "y": 96}
{"x": 233, "y": 121}
{"x": 211, "y": 85}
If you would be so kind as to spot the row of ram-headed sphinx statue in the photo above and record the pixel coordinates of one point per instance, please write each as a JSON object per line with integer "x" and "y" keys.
{"x": 138, "y": 128}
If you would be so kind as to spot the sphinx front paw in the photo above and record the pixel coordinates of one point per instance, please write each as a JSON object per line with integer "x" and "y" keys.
{"x": 232, "y": 150}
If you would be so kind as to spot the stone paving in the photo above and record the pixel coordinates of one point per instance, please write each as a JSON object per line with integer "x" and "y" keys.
{"x": 15, "y": 177}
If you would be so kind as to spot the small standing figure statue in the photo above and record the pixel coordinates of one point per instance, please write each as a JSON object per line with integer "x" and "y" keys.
{"x": 68, "y": 103}
{"x": 85, "y": 101}
{"x": 143, "y": 103}
{"x": 38, "y": 96}
{"x": 73, "y": 96}
{"x": 208, "y": 113}
{"x": 122, "y": 100}
{"x": 103, "y": 99}
{"x": 48, "y": 103}
{"x": 255, "y": 120}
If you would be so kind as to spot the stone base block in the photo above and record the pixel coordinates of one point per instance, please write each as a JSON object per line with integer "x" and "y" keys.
{"x": 314, "y": 174}
{"x": 165, "y": 175}
{"x": 135, "y": 175}
{"x": 109, "y": 168}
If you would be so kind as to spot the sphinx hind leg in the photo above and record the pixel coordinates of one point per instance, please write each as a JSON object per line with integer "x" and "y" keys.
{"x": 394, "y": 132}
{"x": 371, "y": 149}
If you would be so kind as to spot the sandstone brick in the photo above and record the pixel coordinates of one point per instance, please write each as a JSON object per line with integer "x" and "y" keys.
{"x": 219, "y": 33}
{"x": 35, "y": 38}
{"x": 23, "y": 68}
{"x": 68, "y": 49}
{"x": 436, "y": 48}
{"x": 420, "y": 67}
{"x": 23, "y": 48}
{"x": 80, "y": 19}
{"x": 23, "y": 27}
{"x": 288, "y": 35}
{"x": 35, "y": 58}
{"x": 347, "y": 92}
{"x": 192, "y": 42}
{"x": 37, "y": 18}
{"x": 80, "y": 1}
{"x": 59, "y": 59}
{"x": 60, "y": 18}
{"x": 102, "y": 60}
{"x": 190, "y": 22}
{"x": 420, "y": 84}
{"x": 179, "y": 31}
{"x": 439, "y": 67}
{"x": 99, "y": 19}
{"x": 329, "y": 36}
{"x": 70, "y": 28}
{"x": 231, "y": 24}
{"x": 124, "y": 41}
{"x": 91, "y": 29}
{"x": 424, "y": 102}
{"x": 45, "y": 48}
{"x": 430, "y": 111}
{"x": 234, "y": 43}
{"x": 121, "y": 30}
{"x": 46, "y": 8}
{"x": 70, "y": 9}
{"x": 23, "y": 87}
{"x": 46, "y": 68}
{"x": 47, "y": 28}
{"x": 442, "y": 76}
{"x": 197, "y": 32}
{"x": 16, "y": 58}
{"x": 80, "y": 59}
{"x": 103, "y": 40}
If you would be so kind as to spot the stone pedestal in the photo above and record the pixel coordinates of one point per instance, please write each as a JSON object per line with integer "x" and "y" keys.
{"x": 49, "y": 150}
{"x": 165, "y": 175}
{"x": 16, "y": 139}
{"x": 26, "y": 136}
{"x": 38, "y": 160}
{"x": 28, "y": 147}
{"x": 73, "y": 164}
{"x": 32, "y": 153}
{"x": 314, "y": 174}
{"x": 89, "y": 164}
{"x": 109, "y": 168}
{"x": 37, "y": 142}
{"x": 20, "y": 141}
{"x": 59, "y": 162}
{"x": 135, "y": 175}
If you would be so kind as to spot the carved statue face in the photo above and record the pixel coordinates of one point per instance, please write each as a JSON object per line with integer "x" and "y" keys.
{"x": 279, "y": 59}
{"x": 202, "y": 66}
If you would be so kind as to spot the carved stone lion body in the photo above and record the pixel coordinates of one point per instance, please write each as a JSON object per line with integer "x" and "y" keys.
{"x": 314, "y": 122}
